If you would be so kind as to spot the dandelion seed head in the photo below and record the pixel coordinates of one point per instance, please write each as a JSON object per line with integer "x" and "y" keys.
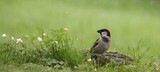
{"x": 4, "y": 35}
{"x": 39, "y": 39}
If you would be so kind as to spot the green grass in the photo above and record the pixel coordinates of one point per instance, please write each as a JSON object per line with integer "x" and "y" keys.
{"x": 128, "y": 21}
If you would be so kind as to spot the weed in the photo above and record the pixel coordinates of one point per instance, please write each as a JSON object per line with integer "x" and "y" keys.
{"x": 52, "y": 50}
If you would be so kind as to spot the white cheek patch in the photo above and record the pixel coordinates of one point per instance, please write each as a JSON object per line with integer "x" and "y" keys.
{"x": 104, "y": 33}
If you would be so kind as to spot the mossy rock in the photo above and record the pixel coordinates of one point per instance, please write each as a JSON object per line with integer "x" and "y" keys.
{"x": 115, "y": 58}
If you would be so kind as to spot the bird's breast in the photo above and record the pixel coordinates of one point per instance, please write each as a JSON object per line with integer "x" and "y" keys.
{"x": 102, "y": 47}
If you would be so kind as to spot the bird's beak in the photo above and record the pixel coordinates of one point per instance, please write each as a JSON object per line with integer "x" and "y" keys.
{"x": 98, "y": 31}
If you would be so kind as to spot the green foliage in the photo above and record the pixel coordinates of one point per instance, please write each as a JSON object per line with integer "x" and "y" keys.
{"x": 128, "y": 20}
{"x": 136, "y": 52}
{"x": 55, "y": 49}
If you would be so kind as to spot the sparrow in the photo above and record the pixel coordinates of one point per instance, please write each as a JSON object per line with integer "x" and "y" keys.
{"x": 102, "y": 44}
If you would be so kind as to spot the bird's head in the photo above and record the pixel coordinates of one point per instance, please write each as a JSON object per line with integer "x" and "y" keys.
{"x": 104, "y": 32}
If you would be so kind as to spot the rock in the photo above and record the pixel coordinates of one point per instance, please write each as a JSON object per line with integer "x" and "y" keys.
{"x": 114, "y": 58}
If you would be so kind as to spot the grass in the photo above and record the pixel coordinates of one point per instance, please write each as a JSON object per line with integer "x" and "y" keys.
{"x": 56, "y": 52}
{"x": 129, "y": 22}
{"x": 52, "y": 50}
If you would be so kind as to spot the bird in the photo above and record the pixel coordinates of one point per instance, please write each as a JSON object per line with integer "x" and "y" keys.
{"x": 102, "y": 44}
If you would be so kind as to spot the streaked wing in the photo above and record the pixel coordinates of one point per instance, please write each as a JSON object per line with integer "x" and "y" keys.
{"x": 94, "y": 45}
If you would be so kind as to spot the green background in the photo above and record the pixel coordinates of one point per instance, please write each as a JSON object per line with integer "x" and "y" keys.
{"x": 128, "y": 20}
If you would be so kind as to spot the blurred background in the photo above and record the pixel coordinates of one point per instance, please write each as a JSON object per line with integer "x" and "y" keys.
{"x": 128, "y": 20}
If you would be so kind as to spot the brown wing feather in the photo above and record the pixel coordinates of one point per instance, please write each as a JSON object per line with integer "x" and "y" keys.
{"x": 95, "y": 44}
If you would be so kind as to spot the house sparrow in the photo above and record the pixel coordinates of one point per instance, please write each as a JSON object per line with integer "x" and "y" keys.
{"x": 102, "y": 44}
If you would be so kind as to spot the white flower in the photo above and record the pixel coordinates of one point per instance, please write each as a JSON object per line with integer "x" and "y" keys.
{"x": 44, "y": 34}
{"x": 19, "y": 40}
{"x": 4, "y": 35}
{"x": 66, "y": 29}
{"x": 12, "y": 38}
{"x": 95, "y": 69}
{"x": 56, "y": 42}
{"x": 89, "y": 60}
{"x": 39, "y": 39}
